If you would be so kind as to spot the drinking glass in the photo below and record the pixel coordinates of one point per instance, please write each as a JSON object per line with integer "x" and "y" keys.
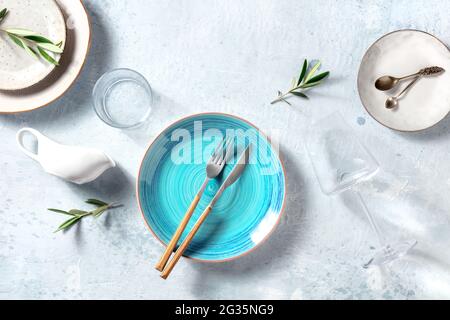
{"x": 122, "y": 98}
{"x": 340, "y": 162}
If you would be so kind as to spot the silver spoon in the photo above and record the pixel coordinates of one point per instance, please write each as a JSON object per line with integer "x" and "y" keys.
{"x": 392, "y": 102}
{"x": 388, "y": 82}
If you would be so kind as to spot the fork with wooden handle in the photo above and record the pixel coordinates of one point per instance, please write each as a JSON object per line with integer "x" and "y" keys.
{"x": 215, "y": 165}
{"x": 233, "y": 176}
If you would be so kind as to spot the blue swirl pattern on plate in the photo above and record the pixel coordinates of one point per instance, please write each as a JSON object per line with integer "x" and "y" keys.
{"x": 173, "y": 170}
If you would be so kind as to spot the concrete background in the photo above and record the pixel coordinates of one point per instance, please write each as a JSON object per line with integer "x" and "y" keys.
{"x": 232, "y": 56}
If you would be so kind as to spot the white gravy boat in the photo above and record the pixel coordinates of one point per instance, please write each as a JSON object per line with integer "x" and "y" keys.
{"x": 72, "y": 163}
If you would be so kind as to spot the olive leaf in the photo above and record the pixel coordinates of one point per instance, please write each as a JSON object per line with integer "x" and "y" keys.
{"x": 303, "y": 73}
{"x": 17, "y": 40}
{"x": 3, "y": 14}
{"x": 38, "y": 39}
{"x": 318, "y": 78}
{"x": 300, "y": 94}
{"x": 306, "y": 80}
{"x": 68, "y": 224}
{"x": 47, "y": 57}
{"x": 20, "y": 32}
{"x": 34, "y": 44}
{"x": 312, "y": 71}
{"x": 311, "y": 85}
{"x": 77, "y": 214}
{"x": 50, "y": 47}
{"x": 61, "y": 211}
{"x": 96, "y": 202}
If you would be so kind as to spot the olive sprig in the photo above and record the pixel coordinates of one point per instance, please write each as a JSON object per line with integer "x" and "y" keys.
{"x": 76, "y": 214}
{"x": 34, "y": 44}
{"x": 306, "y": 80}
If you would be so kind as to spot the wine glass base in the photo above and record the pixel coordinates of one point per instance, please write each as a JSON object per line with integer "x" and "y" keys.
{"x": 390, "y": 253}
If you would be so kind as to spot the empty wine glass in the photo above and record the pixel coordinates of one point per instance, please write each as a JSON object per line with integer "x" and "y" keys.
{"x": 340, "y": 162}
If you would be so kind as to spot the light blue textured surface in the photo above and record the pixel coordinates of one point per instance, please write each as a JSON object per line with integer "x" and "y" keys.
{"x": 232, "y": 56}
{"x": 245, "y": 214}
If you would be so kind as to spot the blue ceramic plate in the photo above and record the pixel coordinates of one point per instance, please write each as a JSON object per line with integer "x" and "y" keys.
{"x": 173, "y": 169}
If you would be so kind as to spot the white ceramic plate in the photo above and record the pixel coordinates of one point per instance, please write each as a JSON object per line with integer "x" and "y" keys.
{"x": 18, "y": 69}
{"x": 400, "y": 53}
{"x": 78, "y": 39}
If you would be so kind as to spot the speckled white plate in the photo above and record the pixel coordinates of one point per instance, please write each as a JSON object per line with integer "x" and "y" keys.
{"x": 18, "y": 69}
{"x": 400, "y": 53}
{"x": 55, "y": 84}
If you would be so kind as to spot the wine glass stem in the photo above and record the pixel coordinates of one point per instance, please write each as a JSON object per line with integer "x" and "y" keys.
{"x": 372, "y": 221}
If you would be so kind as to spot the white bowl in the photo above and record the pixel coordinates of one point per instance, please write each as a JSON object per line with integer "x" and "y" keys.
{"x": 18, "y": 69}
{"x": 78, "y": 41}
{"x": 401, "y": 53}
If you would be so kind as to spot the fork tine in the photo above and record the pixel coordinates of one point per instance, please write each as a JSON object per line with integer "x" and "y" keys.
{"x": 229, "y": 145}
{"x": 229, "y": 150}
{"x": 215, "y": 157}
{"x": 220, "y": 152}
{"x": 219, "y": 146}
{"x": 216, "y": 153}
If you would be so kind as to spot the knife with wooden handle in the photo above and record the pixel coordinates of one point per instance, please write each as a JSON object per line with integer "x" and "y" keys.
{"x": 232, "y": 178}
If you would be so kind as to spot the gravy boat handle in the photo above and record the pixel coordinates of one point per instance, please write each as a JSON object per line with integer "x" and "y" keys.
{"x": 20, "y": 136}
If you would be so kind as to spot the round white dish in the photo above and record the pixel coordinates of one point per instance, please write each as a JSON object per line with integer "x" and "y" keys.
{"x": 401, "y": 53}
{"x": 18, "y": 69}
{"x": 52, "y": 87}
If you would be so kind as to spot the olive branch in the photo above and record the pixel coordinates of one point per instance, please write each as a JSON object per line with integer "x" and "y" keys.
{"x": 306, "y": 80}
{"x": 34, "y": 44}
{"x": 76, "y": 214}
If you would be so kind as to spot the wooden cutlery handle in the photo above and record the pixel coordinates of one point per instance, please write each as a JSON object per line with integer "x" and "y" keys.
{"x": 173, "y": 242}
{"x": 185, "y": 243}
